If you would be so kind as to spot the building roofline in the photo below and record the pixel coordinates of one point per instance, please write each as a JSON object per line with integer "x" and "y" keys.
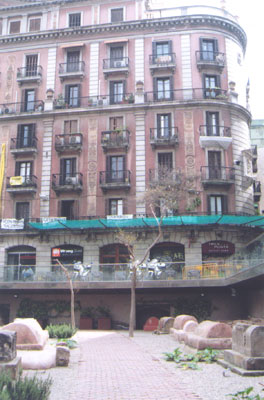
{"x": 125, "y": 26}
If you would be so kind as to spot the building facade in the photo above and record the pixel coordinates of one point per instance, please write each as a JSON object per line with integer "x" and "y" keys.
{"x": 96, "y": 100}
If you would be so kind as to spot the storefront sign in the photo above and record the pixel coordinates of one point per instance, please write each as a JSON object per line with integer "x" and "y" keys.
{"x": 16, "y": 180}
{"x": 69, "y": 252}
{"x": 46, "y": 220}
{"x": 55, "y": 253}
{"x": 125, "y": 216}
{"x": 219, "y": 248}
{"x": 12, "y": 223}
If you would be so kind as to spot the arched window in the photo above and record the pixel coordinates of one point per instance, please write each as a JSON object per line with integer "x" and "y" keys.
{"x": 114, "y": 254}
{"x": 168, "y": 251}
{"x": 21, "y": 263}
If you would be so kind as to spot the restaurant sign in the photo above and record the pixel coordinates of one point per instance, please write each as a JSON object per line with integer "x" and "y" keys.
{"x": 218, "y": 248}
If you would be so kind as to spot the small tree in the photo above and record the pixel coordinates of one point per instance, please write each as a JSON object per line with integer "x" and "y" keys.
{"x": 163, "y": 197}
{"x": 66, "y": 272}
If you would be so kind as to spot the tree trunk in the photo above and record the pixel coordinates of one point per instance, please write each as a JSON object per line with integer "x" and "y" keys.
{"x": 66, "y": 272}
{"x": 132, "y": 318}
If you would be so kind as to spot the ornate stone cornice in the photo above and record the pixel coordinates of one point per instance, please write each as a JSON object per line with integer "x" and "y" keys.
{"x": 160, "y": 24}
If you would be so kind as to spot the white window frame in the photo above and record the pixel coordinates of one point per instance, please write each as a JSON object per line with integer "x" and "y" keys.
{"x": 34, "y": 17}
{"x": 120, "y": 205}
{"x": 31, "y": 54}
{"x": 117, "y": 8}
{"x": 14, "y": 20}
{"x": 71, "y": 13}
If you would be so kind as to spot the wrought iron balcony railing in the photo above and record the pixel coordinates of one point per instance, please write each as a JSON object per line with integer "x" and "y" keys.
{"x": 115, "y": 138}
{"x": 23, "y": 143}
{"x": 115, "y": 178}
{"x": 210, "y": 58}
{"x": 183, "y": 95}
{"x": 164, "y": 175}
{"x": 67, "y": 181}
{"x": 214, "y": 174}
{"x": 116, "y": 63}
{"x": 94, "y": 101}
{"x": 29, "y": 73}
{"x": 21, "y": 182}
{"x": 71, "y": 141}
{"x": 72, "y": 67}
{"x": 20, "y": 107}
{"x": 162, "y": 61}
{"x": 215, "y": 130}
{"x": 164, "y": 136}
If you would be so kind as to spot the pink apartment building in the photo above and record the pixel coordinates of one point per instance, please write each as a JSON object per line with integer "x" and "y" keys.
{"x": 96, "y": 98}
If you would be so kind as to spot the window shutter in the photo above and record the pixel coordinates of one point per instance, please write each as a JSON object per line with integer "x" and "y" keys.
{"x": 23, "y": 100}
{"x": 155, "y": 89}
{"x": 59, "y": 208}
{"x": 76, "y": 211}
{"x": 218, "y": 81}
{"x": 79, "y": 95}
{"x": 73, "y": 166}
{"x": 171, "y": 88}
{"x": 17, "y": 169}
{"x": 62, "y": 166}
{"x": 19, "y": 131}
{"x": 170, "y": 46}
{"x": 208, "y": 205}
{"x": 111, "y": 90}
{"x": 124, "y": 88}
{"x": 67, "y": 93}
{"x": 201, "y": 45}
{"x": 154, "y": 49}
{"x": 125, "y": 206}
{"x": 224, "y": 205}
{"x": 107, "y": 212}
{"x": 33, "y": 130}
{"x": 216, "y": 45}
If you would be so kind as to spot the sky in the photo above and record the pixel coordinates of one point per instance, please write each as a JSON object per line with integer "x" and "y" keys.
{"x": 250, "y": 15}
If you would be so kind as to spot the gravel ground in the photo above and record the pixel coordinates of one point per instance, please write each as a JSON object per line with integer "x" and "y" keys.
{"x": 208, "y": 383}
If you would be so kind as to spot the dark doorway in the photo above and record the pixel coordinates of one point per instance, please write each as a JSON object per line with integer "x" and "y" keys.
{"x": 4, "y": 314}
{"x": 145, "y": 311}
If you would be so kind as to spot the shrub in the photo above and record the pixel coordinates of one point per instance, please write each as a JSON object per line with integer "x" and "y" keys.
{"x": 199, "y": 307}
{"x": 61, "y": 331}
{"x": 24, "y": 388}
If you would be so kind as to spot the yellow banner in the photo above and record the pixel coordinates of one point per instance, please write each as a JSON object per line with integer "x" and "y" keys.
{"x": 16, "y": 180}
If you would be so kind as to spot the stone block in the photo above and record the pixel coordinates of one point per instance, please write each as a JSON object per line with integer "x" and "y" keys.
{"x": 244, "y": 362}
{"x": 151, "y": 324}
{"x": 7, "y": 346}
{"x": 12, "y": 367}
{"x": 30, "y": 335}
{"x": 238, "y": 338}
{"x": 180, "y": 320}
{"x": 165, "y": 324}
{"x": 212, "y": 329}
{"x": 254, "y": 341}
{"x": 62, "y": 356}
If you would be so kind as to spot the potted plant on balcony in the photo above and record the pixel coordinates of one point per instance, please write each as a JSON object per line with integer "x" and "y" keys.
{"x": 103, "y": 318}
{"x": 131, "y": 98}
{"x": 86, "y": 318}
{"x": 60, "y": 102}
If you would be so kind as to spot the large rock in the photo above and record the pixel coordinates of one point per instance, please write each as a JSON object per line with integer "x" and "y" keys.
{"x": 7, "y": 346}
{"x": 30, "y": 335}
{"x": 216, "y": 335}
{"x": 182, "y": 324}
{"x": 165, "y": 323}
{"x": 151, "y": 324}
{"x": 62, "y": 356}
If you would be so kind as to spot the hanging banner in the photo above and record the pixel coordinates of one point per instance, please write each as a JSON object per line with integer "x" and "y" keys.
{"x": 16, "y": 180}
{"x": 12, "y": 223}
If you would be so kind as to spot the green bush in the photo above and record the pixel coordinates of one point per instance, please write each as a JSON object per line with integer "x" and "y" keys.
{"x": 61, "y": 331}
{"x": 199, "y": 307}
{"x": 24, "y": 388}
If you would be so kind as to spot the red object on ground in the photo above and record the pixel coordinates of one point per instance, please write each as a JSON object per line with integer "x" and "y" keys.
{"x": 151, "y": 324}
{"x": 86, "y": 323}
{"x": 104, "y": 323}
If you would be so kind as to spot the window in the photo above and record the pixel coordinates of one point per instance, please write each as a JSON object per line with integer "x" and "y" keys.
{"x": 68, "y": 209}
{"x": 73, "y": 61}
{"x": 34, "y": 24}
{"x": 14, "y": 27}
{"x": 117, "y": 92}
{"x": 28, "y": 100}
{"x": 22, "y": 210}
{"x": 163, "y": 125}
{"x": 26, "y": 135}
{"x": 117, "y": 15}
{"x": 212, "y": 86}
{"x": 115, "y": 123}
{"x": 214, "y": 165}
{"x": 70, "y": 126}
{"x": 116, "y": 56}
{"x": 72, "y": 95}
{"x": 115, "y": 168}
{"x": 212, "y": 123}
{"x": 31, "y": 65}
{"x": 115, "y": 207}
{"x": 208, "y": 49}
{"x": 217, "y": 204}
{"x": 74, "y": 20}
{"x": 165, "y": 161}
{"x": 68, "y": 171}
{"x": 24, "y": 169}
{"x": 163, "y": 88}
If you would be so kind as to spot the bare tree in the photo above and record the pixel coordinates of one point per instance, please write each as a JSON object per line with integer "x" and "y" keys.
{"x": 167, "y": 189}
{"x": 66, "y": 272}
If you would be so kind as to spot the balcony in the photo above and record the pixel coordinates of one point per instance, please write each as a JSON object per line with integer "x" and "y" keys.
{"x": 162, "y": 62}
{"x": 71, "y": 70}
{"x": 164, "y": 137}
{"x": 31, "y": 74}
{"x": 115, "y": 139}
{"x": 21, "y": 107}
{"x": 217, "y": 176}
{"x": 23, "y": 146}
{"x": 22, "y": 184}
{"x": 187, "y": 95}
{"x": 112, "y": 66}
{"x": 215, "y": 135}
{"x": 116, "y": 179}
{"x": 164, "y": 176}
{"x": 67, "y": 182}
{"x": 94, "y": 101}
{"x": 210, "y": 59}
{"x": 254, "y": 151}
{"x": 68, "y": 142}
{"x": 256, "y": 191}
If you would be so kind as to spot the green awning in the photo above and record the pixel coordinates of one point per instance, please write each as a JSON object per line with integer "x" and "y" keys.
{"x": 184, "y": 220}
